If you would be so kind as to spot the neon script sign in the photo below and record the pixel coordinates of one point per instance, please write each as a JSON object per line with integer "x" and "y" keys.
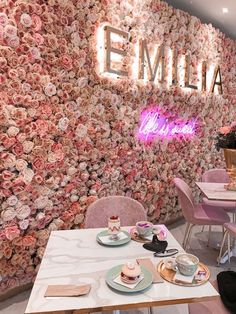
{"x": 154, "y": 124}
{"x": 113, "y": 44}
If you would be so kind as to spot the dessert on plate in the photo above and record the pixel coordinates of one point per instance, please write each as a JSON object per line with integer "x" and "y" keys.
{"x": 130, "y": 272}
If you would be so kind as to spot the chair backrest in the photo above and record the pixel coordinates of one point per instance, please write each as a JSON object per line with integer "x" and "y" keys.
{"x": 215, "y": 175}
{"x": 185, "y": 197}
{"x": 129, "y": 210}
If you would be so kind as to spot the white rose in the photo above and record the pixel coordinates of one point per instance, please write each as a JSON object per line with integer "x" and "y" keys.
{"x": 28, "y": 175}
{"x": 23, "y": 224}
{"x": 13, "y": 131}
{"x": 63, "y": 123}
{"x": 23, "y": 212}
{"x": 50, "y": 89}
{"x": 10, "y": 161}
{"x": 41, "y": 202}
{"x": 81, "y": 130}
{"x": 27, "y": 146}
{"x": 8, "y": 214}
{"x": 82, "y": 82}
{"x": 26, "y": 20}
{"x": 21, "y": 164}
{"x": 12, "y": 200}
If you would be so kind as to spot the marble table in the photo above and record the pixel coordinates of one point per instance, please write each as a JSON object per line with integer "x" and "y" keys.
{"x": 216, "y": 191}
{"x": 74, "y": 257}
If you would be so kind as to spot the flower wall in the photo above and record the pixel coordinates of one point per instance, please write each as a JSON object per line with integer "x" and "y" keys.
{"x": 68, "y": 135}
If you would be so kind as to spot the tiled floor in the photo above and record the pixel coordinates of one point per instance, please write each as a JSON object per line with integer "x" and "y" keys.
{"x": 198, "y": 242}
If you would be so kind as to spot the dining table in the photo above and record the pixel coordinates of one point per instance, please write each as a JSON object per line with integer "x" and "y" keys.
{"x": 74, "y": 257}
{"x": 217, "y": 191}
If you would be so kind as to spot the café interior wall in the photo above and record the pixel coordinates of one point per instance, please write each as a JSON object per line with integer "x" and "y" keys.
{"x": 68, "y": 133}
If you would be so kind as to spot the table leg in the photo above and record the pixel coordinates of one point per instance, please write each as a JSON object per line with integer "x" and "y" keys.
{"x": 225, "y": 257}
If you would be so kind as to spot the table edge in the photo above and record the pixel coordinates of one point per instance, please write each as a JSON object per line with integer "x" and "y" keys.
{"x": 130, "y": 306}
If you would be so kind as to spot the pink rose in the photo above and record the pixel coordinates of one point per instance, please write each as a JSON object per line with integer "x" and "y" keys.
{"x": 38, "y": 163}
{"x": 36, "y": 22}
{"x": 50, "y": 89}
{"x": 26, "y": 20}
{"x": 28, "y": 240}
{"x": 7, "y": 175}
{"x": 17, "y": 149}
{"x": 39, "y": 40}
{"x": 13, "y": 42}
{"x": 8, "y": 142}
{"x": 34, "y": 54}
{"x": 225, "y": 130}
{"x": 3, "y": 19}
{"x": 42, "y": 127}
{"x": 1, "y": 33}
{"x": 12, "y": 232}
{"x": 66, "y": 62}
{"x": 10, "y": 31}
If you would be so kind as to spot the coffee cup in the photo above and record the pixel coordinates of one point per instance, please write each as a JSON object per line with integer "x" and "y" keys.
{"x": 187, "y": 264}
{"x": 144, "y": 228}
{"x": 170, "y": 263}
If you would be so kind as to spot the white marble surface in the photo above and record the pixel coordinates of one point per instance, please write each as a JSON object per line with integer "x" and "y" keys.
{"x": 216, "y": 191}
{"x": 74, "y": 257}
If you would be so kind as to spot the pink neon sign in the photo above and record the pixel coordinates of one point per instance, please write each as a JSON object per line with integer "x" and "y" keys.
{"x": 153, "y": 124}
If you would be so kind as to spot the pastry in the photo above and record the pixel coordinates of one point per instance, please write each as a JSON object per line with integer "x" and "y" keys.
{"x": 130, "y": 272}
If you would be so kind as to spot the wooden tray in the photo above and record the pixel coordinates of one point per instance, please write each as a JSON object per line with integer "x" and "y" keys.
{"x": 168, "y": 275}
{"x": 134, "y": 236}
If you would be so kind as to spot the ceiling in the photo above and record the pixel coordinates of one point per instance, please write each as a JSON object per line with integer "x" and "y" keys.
{"x": 210, "y": 11}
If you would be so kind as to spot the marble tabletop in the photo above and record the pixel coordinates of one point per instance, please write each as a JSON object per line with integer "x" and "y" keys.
{"x": 216, "y": 191}
{"x": 74, "y": 257}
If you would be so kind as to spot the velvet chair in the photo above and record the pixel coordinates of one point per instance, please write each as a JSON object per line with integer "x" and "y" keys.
{"x": 129, "y": 210}
{"x": 219, "y": 176}
{"x": 209, "y": 307}
{"x": 197, "y": 214}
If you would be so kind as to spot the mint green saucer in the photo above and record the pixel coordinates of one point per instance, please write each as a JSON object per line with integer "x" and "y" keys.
{"x": 142, "y": 285}
{"x": 114, "y": 242}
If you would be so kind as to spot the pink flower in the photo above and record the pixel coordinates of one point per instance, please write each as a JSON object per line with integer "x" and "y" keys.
{"x": 66, "y": 62}
{"x": 3, "y": 19}
{"x": 17, "y": 149}
{"x": 13, "y": 42}
{"x": 34, "y": 53}
{"x": 10, "y": 31}
{"x": 37, "y": 23}
{"x": 38, "y": 163}
{"x": 225, "y": 130}
{"x": 39, "y": 40}
{"x": 23, "y": 212}
{"x": 50, "y": 89}
{"x": 26, "y": 20}
{"x": 12, "y": 232}
{"x": 23, "y": 224}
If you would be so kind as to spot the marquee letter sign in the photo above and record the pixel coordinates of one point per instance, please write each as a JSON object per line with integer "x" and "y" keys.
{"x": 154, "y": 124}
{"x": 149, "y": 70}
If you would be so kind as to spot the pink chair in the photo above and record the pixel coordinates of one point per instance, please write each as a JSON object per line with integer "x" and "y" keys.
{"x": 200, "y": 214}
{"x": 209, "y": 307}
{"x": 129, "y": 210}
{"x": 230, "y": 230}
{"x": 220, "y": 176}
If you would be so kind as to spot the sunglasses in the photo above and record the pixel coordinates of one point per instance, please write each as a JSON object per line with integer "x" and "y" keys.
{"x": 166, "y": 253}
